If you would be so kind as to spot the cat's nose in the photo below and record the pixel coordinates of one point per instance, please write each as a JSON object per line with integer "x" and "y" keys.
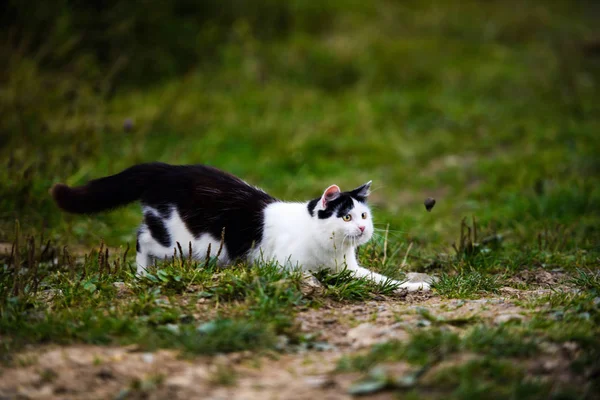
{"x": 362, "y": 228}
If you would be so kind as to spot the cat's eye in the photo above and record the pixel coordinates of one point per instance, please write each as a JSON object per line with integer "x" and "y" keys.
{"x": 347, "y": 217}
{"x": 364, "y": 215}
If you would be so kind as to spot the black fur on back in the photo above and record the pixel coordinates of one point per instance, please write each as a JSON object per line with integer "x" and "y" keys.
{"x": 207, "y": 199}
{"x": 110, "y": 192}
{"x": 340, "y": 206}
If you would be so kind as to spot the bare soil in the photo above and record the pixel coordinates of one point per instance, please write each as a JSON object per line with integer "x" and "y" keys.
{"x": 83, "y": 371}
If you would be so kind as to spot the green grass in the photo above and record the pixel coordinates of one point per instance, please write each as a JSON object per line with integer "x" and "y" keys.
{"x": 467, "y": 284}
{"x": 247, "y": 306}
{"x": 343, "y": 285}
{"x": 493, "y": 112}
{"x": 480, "y": 360}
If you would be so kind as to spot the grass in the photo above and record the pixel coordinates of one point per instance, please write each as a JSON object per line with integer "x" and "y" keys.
{"x": 494, "y": 113}
{"x": 343, "y": 285}
{"x": 248, "y": 307}
{"x": 467, "y": 284}
{"x": 480, "y": 361}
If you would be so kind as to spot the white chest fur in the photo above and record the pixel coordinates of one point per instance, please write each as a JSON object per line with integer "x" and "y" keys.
{"x": 295, "y": 239}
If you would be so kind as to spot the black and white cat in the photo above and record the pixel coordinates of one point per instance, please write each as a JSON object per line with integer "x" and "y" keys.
{"x": 195, "y": 203}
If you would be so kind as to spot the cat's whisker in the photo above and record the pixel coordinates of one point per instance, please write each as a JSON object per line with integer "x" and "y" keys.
{"x": 344, "y": 239}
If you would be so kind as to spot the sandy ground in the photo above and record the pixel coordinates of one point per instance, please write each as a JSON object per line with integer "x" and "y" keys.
{"x": 94, "y": 372}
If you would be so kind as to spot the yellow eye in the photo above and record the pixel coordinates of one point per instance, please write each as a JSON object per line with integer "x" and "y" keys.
{"x": 364, "y": 215}
{"x": 347, "y": 217}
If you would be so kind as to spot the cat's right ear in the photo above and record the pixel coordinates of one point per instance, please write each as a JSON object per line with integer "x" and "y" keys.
{"x": 330, "y": 194}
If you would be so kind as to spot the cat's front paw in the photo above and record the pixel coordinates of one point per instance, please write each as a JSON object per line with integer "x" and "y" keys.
{"x": 416, "y": 282}
{"x": 413, "y": 287}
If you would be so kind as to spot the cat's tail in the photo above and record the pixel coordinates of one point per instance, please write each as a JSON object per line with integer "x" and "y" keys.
{"x": 109, "y": 192}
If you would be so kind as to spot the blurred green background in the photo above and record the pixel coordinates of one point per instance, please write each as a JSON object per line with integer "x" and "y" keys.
{"x": 491, "y": 107}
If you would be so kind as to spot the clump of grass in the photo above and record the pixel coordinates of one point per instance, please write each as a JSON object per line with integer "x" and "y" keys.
{"x": 423, "y": 347}
{"x": 223, "y": 374}
{"x": 432, "y": 345}
{"x": 343, "y": 285}
{"x": 491, "y": 364}
{"x": 490, "y": 378}
{"x": 79, "y": 301}
{"x": 500, "y": 342}
{"x": 588, "y": 280}
{"x": 225, "y": 336}
{"x": 466, "y": 284}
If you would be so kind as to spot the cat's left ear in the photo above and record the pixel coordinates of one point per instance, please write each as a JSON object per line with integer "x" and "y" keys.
{"x": 362, "y": 191}
{"x": 330, "y": 194}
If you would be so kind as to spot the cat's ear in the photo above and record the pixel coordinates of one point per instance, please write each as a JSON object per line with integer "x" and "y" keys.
{"x": 330, "y": 194}
{"x": 362, "y": 191}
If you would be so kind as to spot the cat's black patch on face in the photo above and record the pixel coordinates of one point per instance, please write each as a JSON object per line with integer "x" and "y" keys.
{"x": 311, "y": 206}
{"x": 157, "y": 229}
{"x": 338, "y": 207}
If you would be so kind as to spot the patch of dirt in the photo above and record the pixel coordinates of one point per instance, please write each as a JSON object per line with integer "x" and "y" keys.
{"x": 77, "y": 372}
{"x": 539, "y": 277}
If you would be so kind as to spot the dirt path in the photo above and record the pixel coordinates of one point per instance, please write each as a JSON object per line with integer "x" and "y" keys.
{"x": 77, "y": 372}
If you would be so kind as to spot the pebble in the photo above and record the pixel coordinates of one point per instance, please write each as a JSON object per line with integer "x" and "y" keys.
{"x": 148, "y": 358}
{"x": 319, "y": 381}
{"x": 367, "y": 334}
{"x": 504, "y": 318}
{"x": 310, "y": 285}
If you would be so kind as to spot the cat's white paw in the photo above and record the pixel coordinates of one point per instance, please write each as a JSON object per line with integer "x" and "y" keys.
{"x": 414, "y": 286}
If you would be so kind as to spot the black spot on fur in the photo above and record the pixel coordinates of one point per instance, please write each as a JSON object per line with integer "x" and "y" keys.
{"x": 164, "y": 210}
{"x": 137, "y": 245}
{"x": 157, "y": 229}
{"x": 209, "y": 200}
{"x": 311, "y": 206}
{"x": 109, "y": 192}
{"x": 206, "y": 198}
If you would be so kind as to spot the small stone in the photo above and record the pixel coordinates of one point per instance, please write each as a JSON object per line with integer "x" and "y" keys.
{"x": 364, "y": 335}
{"x": 585, "y": 315}
{"x": 282, "y": 342}
{"x": 310, "y": 286}
{"x": 551, "y": 365}
{"x": 504, "y": 318}
{"x": 367, "y": 334}
{"x": 319, "y": 381}
{"x": 429, "y": 203}
{"x": 173, "y": 328}
{"x": 570, "y": 346}
{"x": 148, "y": 358}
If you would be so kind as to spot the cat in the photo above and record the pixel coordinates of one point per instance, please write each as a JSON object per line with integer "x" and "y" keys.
{"x": 205, "y": 206}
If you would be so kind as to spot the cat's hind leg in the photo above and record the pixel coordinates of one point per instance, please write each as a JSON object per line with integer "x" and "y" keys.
{"x": 142, "y": 258}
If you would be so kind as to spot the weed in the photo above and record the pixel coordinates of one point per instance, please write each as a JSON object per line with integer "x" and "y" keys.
{"x": 467, "y": 284}
{"x": 343, "y": 285}
{"x": 588, "y": 280}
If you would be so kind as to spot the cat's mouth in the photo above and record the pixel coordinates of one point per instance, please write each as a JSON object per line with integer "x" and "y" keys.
{"x": 359, "y": 236}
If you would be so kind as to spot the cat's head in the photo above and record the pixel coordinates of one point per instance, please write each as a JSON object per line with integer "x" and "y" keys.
{"x": 344, "y": 215}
